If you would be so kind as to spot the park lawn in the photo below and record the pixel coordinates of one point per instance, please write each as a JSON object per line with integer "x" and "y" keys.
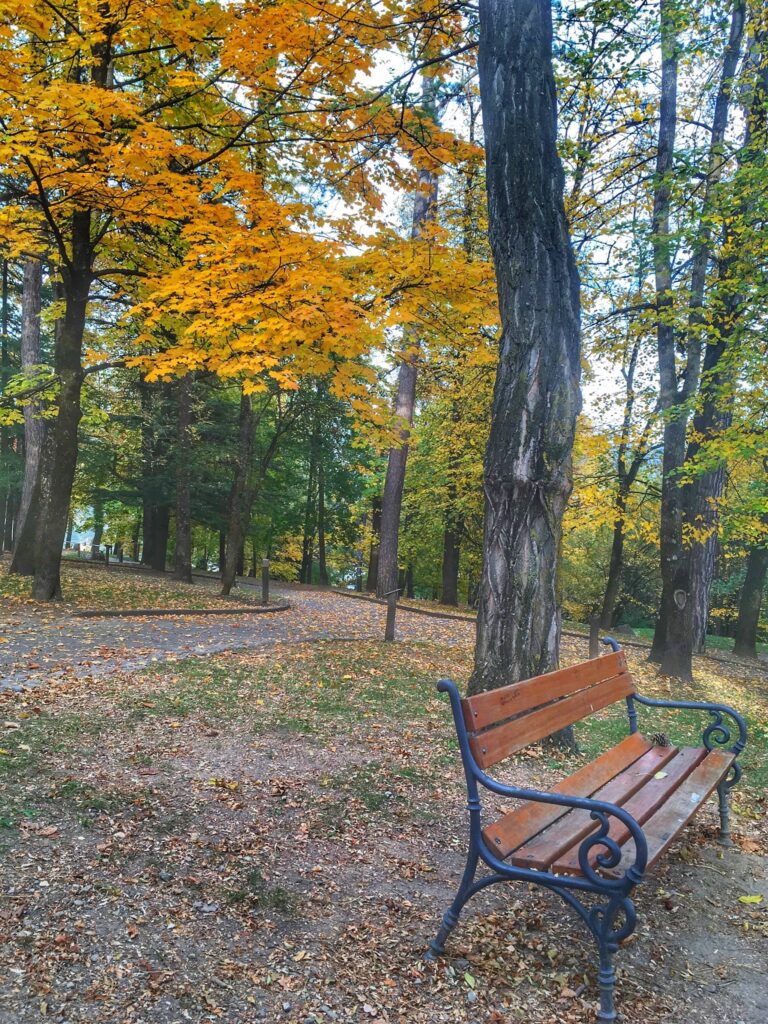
{"x": 274, "y": 835}
{"x": 87, "y": 587}
{"x": 644, "y": 635}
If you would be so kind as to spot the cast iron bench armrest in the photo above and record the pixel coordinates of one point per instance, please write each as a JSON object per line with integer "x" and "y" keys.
{"x": 717, "y": 733}
{"x": 600, "y": 810}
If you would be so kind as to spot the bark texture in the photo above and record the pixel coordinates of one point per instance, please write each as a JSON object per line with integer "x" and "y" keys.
{"x": 749, "y": 605}
{"x": 536, "y": 397}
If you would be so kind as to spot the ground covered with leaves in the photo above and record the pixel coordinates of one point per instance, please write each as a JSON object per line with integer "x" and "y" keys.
{"x": 98, "y": 588}
{"x": 274, "y": 835}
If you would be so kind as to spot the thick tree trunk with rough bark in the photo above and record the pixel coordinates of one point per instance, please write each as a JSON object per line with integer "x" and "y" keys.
{"x": 182, "y": 556}
{"x": 536, "y": 397}
{"x": 749, "y": 604}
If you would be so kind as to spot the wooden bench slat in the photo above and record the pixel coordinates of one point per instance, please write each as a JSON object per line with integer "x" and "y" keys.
{"x": 493, "y": 706}
{"x": 544, "y": 849}
{"x": 515, "y": 827}
{"x": 648, "y": 799}
{"x": 496, "y": 744}
{"x": 663, "y": 827}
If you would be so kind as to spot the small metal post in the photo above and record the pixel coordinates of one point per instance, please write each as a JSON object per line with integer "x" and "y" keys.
{"x": 265, "y": 581}
{"x": 389, "y": 629}
{"x": 594, "y": 636}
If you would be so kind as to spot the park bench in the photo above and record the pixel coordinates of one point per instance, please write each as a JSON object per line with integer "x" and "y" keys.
{"x": 592, "y": 837}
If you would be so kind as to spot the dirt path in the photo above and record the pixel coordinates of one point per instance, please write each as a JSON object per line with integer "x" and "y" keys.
{"x": 35, "y": 646}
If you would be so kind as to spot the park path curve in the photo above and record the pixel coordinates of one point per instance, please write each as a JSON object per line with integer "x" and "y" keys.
{"x": 36, "y": 647}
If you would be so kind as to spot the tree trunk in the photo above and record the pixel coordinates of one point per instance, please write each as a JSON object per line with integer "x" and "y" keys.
{"x": 360, "y": 557}
{"x": 58, "y": 460}
{"x": 310, "y": 518}
{"x": 674, "y": 425}
{"x": 424, "y": 211}
{"x": 749, "y": 604}
{"x": 135, "y": 539}
{"x": 392, "y": 501}
{"x": 613, "y": 584}
{"x": 238, "y": 494}
{"x": 536, "y": 397}
{"x": 11, "y": 520}
{"x": 452, "y": 528}
{"x": 98, "y": 523}
{"x": 147, "y": 532}
{"x": 7, "y": 503}
{"x": 321, "y": 562}
{"x": 373, "y": 555}
{"x": 34, "y": 426}
{"x": 450, "y": 573}
{"x": 674, "y": 634}
{"x": 222, "y": 551}
{"x": 161, "y": 523}
{"x": 182, "y": 556}
{"x": 409, "y": 581}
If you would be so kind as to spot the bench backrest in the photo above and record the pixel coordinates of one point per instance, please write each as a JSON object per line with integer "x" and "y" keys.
{"x": 501, "y": 722}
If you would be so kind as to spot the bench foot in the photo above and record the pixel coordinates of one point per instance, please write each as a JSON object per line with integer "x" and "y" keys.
{"x": 606, "y": 979}
{"x": 451, "y": 916}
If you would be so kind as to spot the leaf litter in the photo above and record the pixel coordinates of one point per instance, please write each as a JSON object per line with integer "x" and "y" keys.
{"x": 274, "y": 835}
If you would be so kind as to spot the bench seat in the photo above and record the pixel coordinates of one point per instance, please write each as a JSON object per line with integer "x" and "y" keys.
{"x": 661, "y": 787}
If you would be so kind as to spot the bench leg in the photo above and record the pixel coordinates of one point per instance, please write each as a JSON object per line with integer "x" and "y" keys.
{"x": 606, "y": 980}
{"x": 603, "y": 922}
{"x": 437, "y": 945}
{"x": 724, "y": 798}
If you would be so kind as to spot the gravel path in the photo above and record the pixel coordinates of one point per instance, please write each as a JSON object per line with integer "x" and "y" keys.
{"x": 36, "y": 646}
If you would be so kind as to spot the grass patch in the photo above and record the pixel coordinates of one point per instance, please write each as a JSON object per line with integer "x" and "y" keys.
{"x": 257, "y": 891}
{"x": 97, "y": 588}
